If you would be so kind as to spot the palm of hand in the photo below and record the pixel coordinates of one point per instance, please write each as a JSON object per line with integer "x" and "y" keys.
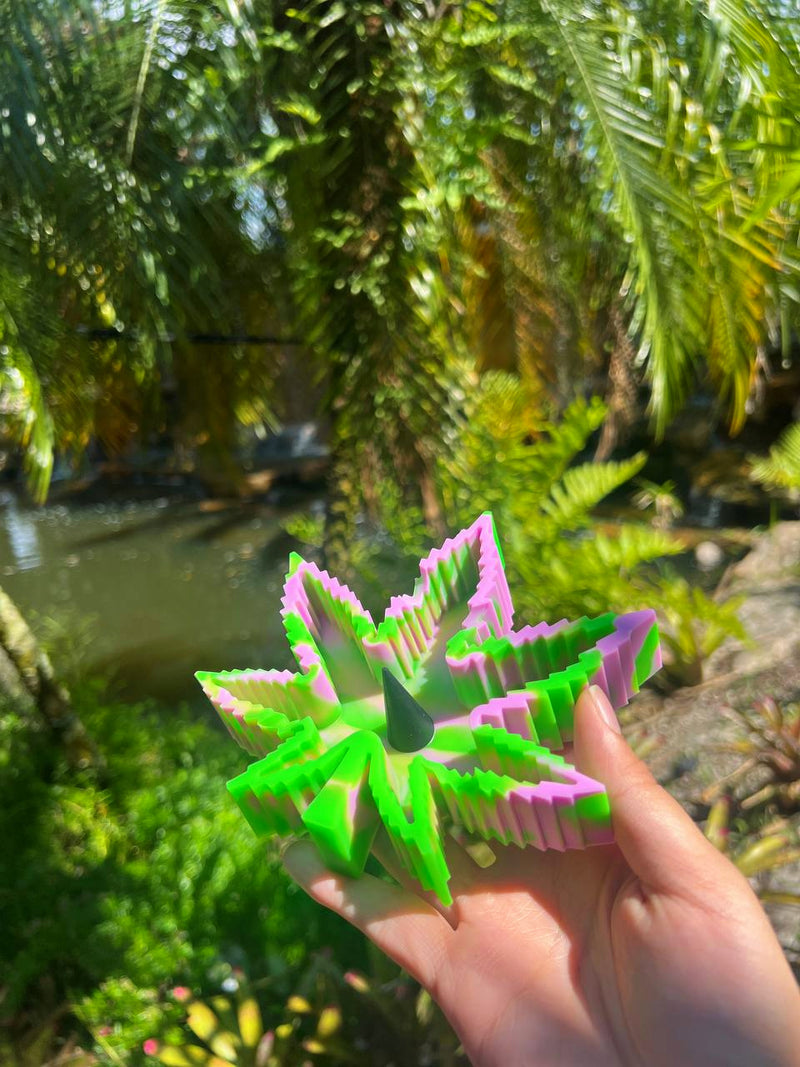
{"x": 588, "y": 967}
{"x": 653, "y": 951}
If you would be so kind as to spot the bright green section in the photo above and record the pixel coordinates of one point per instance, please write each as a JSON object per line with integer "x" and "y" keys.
{"x": 453, "y": 739}
{"x": 342, "y": 818}
{"x": 645, "y": 659}
{"x": 595, "y": 810}
{"x": 342, "y": 796}
{"x": 496, "y": 537}
{"x": 366, "y": 714}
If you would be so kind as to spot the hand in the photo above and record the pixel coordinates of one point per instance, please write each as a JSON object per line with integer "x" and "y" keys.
{"x": 651, "y": 951}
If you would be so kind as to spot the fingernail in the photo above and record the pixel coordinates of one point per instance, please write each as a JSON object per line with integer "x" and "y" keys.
{"x": 284, "y": 844}
{"x": 301, "y": 861}
{"x": 602, "y": 706}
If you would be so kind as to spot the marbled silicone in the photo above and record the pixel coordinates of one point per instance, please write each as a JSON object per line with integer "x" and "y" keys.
{"x": 501, "y": 702}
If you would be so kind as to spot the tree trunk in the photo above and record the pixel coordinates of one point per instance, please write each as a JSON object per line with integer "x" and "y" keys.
{"x": 27, "y": 677}
{"x": 621, "y": 397}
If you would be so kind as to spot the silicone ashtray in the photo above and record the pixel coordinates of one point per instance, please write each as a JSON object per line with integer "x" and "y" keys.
{"x": 442, "y": 714}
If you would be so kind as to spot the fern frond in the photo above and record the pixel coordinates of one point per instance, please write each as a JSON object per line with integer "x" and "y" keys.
{"x": 633, "y": 545}
{"x": 781, "y": 468}
{"x": 562, "y": 441}
{"x": 581, "y": 488}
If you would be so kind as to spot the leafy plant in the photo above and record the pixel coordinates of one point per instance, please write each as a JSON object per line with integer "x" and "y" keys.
{"x": 754, "y": 853}
{"x": 107, "y": 887}
{"x": 345, "y": 1018}
{"x": 736, "y": 822}
{"x": 121, "y": 210}
{"x": 551, "y": 189}
{"x": 781, "y": 468}
{"x": 522, "y": 468}
{"x": 694, "y": 626}
{"x": 231, "y": 1032}
{"x": 665, "y": 505}
{"x": 560, "y": 559}
{"x": 773, "y": 743}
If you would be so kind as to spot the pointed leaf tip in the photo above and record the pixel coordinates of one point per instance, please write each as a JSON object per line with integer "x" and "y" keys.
{"x": 295, "y": 559}
{"x": 409, "y": 727}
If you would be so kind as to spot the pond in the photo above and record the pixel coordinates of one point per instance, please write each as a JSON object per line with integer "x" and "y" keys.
{"x": 154, "y": 589}
{"x": 168, "y": 586}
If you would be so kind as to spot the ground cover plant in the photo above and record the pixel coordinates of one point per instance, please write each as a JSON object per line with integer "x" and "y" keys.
{"x": 113, "y": 887}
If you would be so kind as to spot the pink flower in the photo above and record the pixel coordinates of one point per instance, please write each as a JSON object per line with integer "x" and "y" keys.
{"x": 181, "y": 993}
{"x": 151, "y": 1046}
{"x": 357, "y": 981}
{"x": 103, "y": 1031}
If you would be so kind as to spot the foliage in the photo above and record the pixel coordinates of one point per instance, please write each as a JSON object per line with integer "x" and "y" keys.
{"x": 662, "y": 499}
{"x": 230, "y": 1030}
{"x": 347, "y": 1018}
{"x": 755, "y": 851}
{"x": 781, "y": 468}
{"x": 115, "y": 889}
{"x": 111, "y": 886}
{"x": 557, "y": 556}
{"x": 121, "y": 130}
{"x": 696, "y": 625}
{"x": 535, "y": 184}
{"x": 560, "y": 560}
{"x": 750, "y": 818}
{"x": 650, "y": 117}
{"x": 773, "y": 743}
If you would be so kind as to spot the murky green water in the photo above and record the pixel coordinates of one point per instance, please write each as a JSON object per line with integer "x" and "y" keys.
{"x": 171, "y": 588}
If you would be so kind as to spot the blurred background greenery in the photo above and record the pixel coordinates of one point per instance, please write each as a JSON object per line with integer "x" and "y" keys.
{"x": 339, "y": 276}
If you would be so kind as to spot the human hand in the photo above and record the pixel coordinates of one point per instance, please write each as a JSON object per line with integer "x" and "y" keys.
{"x": 653, "y": 950}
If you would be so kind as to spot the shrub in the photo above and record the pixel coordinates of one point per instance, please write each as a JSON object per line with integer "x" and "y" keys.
{"x": 560, "y": 559}
{"x": 151, "y": 875}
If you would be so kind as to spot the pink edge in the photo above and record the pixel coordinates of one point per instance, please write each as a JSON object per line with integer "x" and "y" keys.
{"x": 491, "y": 584}
{"x": 474, "y": 662}
{"x": 295, "y": 596}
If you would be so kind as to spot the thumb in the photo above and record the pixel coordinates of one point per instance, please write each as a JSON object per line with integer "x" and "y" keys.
{"x": 657, "y": 838}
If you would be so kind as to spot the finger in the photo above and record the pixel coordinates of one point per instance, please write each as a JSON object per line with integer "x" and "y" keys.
{"x": 657, "y": 838}
{"x": 401, "y": 924}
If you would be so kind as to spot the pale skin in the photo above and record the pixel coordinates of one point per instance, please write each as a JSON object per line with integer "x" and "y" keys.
{"x": 652, "y": 951}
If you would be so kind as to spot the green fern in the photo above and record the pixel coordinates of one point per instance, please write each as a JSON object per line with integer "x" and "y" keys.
{"x": 561, "y": 561}
{"x": 781, "y": 468}
{"x": 581, "y": 488}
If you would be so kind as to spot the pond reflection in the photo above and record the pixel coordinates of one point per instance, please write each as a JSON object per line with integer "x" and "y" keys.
{"x": 22, "y": 534}
{"x": 172, "y": 586}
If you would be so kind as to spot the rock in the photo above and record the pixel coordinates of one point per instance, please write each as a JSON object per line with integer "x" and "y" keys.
{"x": 774, "y": 559}
{"x": 708, "y": 555}
{"x": 768, "y": 581}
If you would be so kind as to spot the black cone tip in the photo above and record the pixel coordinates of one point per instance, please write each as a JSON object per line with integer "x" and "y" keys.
{"x": 408, "y": 726}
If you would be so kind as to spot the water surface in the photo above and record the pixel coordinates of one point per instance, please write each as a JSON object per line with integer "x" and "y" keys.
{"x": 171, "y": 586}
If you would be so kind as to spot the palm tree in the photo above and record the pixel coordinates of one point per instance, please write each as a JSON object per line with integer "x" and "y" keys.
{"x": 401, "y": 184}
{"x": 646, "y": 157}
{"x": 122, "y": 131}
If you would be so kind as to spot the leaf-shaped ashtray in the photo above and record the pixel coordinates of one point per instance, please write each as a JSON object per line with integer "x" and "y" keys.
{"x": 441, "y": 714}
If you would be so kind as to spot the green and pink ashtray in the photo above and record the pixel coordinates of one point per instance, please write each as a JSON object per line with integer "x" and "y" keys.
{"x": 441, "y": 716}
